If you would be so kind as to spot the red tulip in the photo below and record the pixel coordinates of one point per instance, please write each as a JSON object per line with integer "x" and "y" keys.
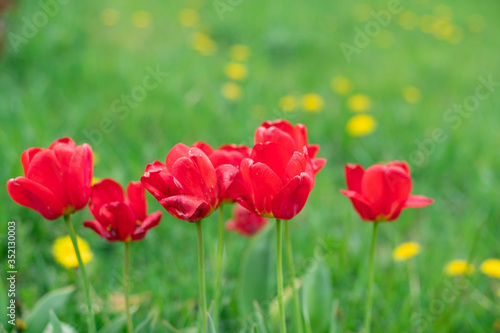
{"x": 382, "y": 191}
{"x": 56, "y": 180}
{"x": 187, "y": 185}
{"x": 245, "y": 222}
{"x": 120, "y": 218}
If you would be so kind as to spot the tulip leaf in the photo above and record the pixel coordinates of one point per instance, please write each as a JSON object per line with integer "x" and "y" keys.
{"x": 317, "y": 297}
{"x": 116, "y": 325}
{"x": 54, "y": 322}
{"x": 54, "y": 300}
{"x": 257, "y": 273}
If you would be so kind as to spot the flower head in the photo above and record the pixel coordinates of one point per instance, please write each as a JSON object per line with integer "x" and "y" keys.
{"x": 245, "y": 222}
{"x": 359, "y": 103}
{"x": 312, "y": 102}
{"x": 341, "y": 85}
{"x": 56, "y": 180}
{"x": 239, "y": 52}
{"x": 64, "y": 252}
{"x": 382, "y": 191}
{"x": 361, "y": 125}
{"x": 120, "y": 218}
{"x": 236, "y": 71}
{"x": 231, "y": 91}
{"x": 458, "y": 267}
{"x": 406, "y": 251}
{"x": 491, "y": 267}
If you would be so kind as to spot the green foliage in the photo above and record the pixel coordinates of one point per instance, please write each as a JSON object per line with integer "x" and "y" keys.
{"x": 317, "y": 297}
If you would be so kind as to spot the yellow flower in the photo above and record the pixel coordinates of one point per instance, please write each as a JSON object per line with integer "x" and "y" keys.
{"x": 408, "y": 20}
{"x": 188, "y": 17}
{"x": 406, "y": 251}
{"x": 231, "y": 91}
{"x": 361, "y": 125}
{"x": 341, "y": 85}
{"x": 288, "y": 103}
{"x": 236, "y": 71}
{"x": 239, "y": 52}
{"x": 64, "y": 253}
{"x": 491, "y": 267}
{"x": 458, "y": 267}
{"x": 141, "y": 19}
{"x": 412, "y": 94}
{"x": 476, "y": 23}
{"x": 109, "y": 17}
{"x": 203, "y": 43}
{"x": 359, "y": 103}
{"x": 312, "y": 102}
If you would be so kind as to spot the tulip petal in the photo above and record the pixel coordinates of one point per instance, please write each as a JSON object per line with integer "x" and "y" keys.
{"x": 121, "y": 218}
{"x": 275, "y": 135}
{"x": 177, "y": 151}
{"x": 238, "y": 190}
{"x": 353, "y": 175}
{"x": 274, "y": 155}
{"x": 205, "y": 147}
{"x": 79, "y": 176}
{"x": 160, "y": 184}
{"x": 400, "y": 164}
{"x": 35, "y": 196}
{"x": 151, "y": 221}
{"x": 296, "y": 166}
{"x": 265, "y": 184}
{"x": 300, "y": 136}
{"x": 361, "y": 205}
{"x": 318, "y": 164}
{"x": 207, "y": 172}
{"x": 27, "y": 157}
{"x": 63, "y": 141}
{"x": 98, "y": 229}
{"x": 225, "y": 176}
{"x": 313, "y": 150}
{"x": 104, "y": 192}
{"x": 292, "y": 197}
{"x": 188, "y": 177}
{"x": 136, "y": 199}
{"x": 417, "y": 201}
{"x": 186, "y": 207}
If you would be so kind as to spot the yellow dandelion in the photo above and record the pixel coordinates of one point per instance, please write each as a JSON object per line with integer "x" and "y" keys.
{"x": 361, "y": 125}
{"x": 476, "y": 23}
{"x": 141, "y": 19}
{"x": 239, "y": 52}
{"x": 236, "y": 71}
{"x": 359, "y": 103}
{"x": 109, "y": 17}
{"x": 362, "y": 12}
{"x": 406, "y": 251}
{"x": 231, "y": 91}
{"x": 341, "y": 85}
{"x": 412, "y": 94}
{"x": 64, "y": 253}
{"x": 288, "y": 103}
{"x": 384, "y": 39}
{"x": 458, "y": 267}
{"x": 408, "y": 20}
{"x": 312, "y": 102}
{"x": 188, "y": 17}
{"x": 491, "y": 267}
{"x": 203, "y": 43}
{"x": 441, "y": 28}
{"x": 425, "y": 23}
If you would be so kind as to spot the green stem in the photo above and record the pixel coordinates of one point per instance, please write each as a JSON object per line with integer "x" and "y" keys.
{"x": 126, "y": 287}
{"x": 201, "y": 276}
{"x": 219, "y": 264}
{"x": 369, "y": 297}
{"x": 72, "y": 235}
{"x": 279, "y": 275}
{"x": 291, "y": 268}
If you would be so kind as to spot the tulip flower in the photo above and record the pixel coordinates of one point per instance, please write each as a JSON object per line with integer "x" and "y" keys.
{"x": 380, "y": 194}
{"x": 382, "y": 191}
{"x": 56, "y": 180}
{"x": 245, "y": 222}
{"x": 57, "y": 183}
{"x": 120, "y": 218}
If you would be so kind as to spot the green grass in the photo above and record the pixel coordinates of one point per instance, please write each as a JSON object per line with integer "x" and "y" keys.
{"x": 64, "y": 81}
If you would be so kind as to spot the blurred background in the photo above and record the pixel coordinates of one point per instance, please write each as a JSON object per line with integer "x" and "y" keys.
{"x": 372, "y": 81}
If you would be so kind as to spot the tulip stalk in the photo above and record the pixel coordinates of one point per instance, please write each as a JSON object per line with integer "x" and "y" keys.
{"x": 72, "y": 235}
{"x": 291, "y": 268}
{"x": 371, "y": 274}
{"x": 219, "y": 265}
{"x": 126, "y": 283}
{"x": 201, "y": 276}
{"x": 279, "y": 275}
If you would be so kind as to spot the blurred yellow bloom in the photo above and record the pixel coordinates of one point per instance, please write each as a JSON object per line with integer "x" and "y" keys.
{"x": 231, "y": 91}
{"x": 384, "y": 39}
{"x": 362, "y": 12}
{"x": 64, "y": 253}
{"x": 425, "y": 23}
{"x": 341, "y": 85}
{"x": 406, "y": 251}
{"x": 141, "y": 19}
{"x": 361, "y": 125}
{"x": 188, "y": 17}
{"x": 109, "y": 17}
{"x": 312, "y": 102}
{"x": 476, "y": 23}
{"x": 236, "y": 71}
{"x": 491, "y": 267}
{"x": 408, "y": 20}
{"x": 443, "y": 10}
{"x": 458, "y": 267}
{"x": 239, "y": 52}
{"x": 95, "y": 180}
{"x": 359, "y": 103}
{"x": 442, "y": 28}
{"x": 412, "y": 94}
{"x": 288, "y": 103}
{"x": 203, "y": 43}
